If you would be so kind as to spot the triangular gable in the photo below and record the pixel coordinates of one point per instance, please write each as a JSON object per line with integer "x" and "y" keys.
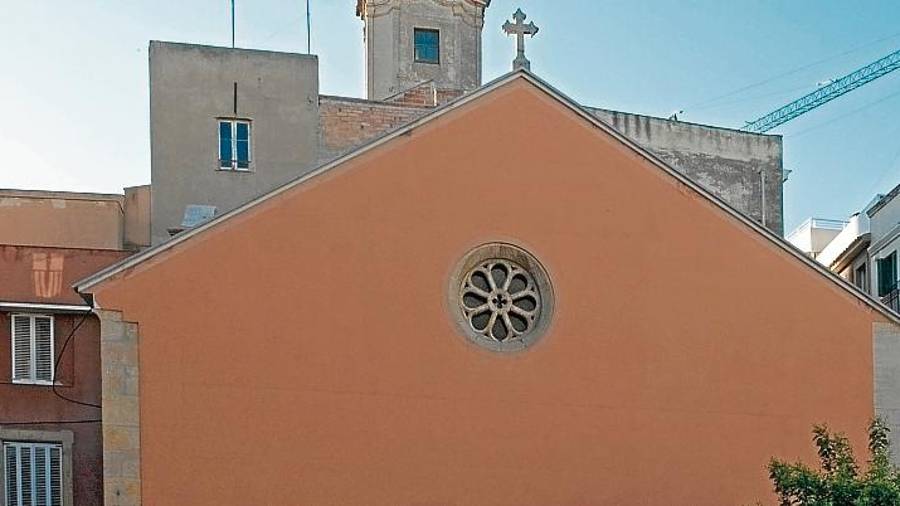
{"x": 89, "y": 284}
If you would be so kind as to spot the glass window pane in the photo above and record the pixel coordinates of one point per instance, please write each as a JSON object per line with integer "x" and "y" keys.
{"x": 243, "y": 151}
{"x": 243, "y": 145}
{"x": 243, "y": 131}
{"x": 225, "y": 155}
{"x": 427, "y": 43}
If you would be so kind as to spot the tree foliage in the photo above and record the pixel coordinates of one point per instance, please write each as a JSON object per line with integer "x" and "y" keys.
{"x": 840, "y": 481}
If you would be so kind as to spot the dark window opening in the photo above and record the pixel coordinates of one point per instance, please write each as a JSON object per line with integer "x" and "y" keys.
{"x": 887, "y": 274}
{"x": 861, "y": 278}
{"x": 428, "y": 45}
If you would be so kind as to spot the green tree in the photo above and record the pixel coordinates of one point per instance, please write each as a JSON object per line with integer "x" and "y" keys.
{"x": 840, "y": 481}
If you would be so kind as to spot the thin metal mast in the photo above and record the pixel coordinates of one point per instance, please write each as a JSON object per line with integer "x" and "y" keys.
{"x": 826, "y": 94}
{"x": 308, "y": 30}
{"x": 232, "y": 24}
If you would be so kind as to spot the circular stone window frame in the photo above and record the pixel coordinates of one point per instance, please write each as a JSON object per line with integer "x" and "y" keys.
{"x": 504, "y": 252}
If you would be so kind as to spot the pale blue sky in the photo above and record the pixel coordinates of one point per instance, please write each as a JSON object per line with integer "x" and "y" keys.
{"x": 73, "y": 79}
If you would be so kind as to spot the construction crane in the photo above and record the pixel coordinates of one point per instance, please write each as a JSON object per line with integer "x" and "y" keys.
{"x": 826, "y": 94}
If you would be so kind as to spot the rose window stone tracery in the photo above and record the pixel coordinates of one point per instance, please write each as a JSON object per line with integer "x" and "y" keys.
{"x": 500, "y": 300}
{"x": 501, "y": 297}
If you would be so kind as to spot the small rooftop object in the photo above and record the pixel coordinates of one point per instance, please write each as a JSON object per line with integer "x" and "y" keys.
{"x": 195, "y": 214}
{"x": 520, "y": 30}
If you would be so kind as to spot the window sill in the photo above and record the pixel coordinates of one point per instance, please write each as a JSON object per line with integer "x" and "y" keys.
{"x": 237, "y": 171}
{"x": 36, "y": 383}
{"x": 424, "y": 62}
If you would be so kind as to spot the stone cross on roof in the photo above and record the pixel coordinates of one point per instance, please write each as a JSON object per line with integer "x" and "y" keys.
{"x": 520, "y": 30}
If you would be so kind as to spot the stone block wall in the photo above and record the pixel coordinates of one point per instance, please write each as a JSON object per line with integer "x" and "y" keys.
{"x": 121, "y": 410}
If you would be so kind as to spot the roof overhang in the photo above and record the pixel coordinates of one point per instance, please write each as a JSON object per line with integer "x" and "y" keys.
{"x": 86, "y": 286}
{"x": 850, "y": 253}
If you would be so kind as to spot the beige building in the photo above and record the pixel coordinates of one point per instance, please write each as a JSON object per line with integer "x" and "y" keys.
{"x": 76, "y": 220}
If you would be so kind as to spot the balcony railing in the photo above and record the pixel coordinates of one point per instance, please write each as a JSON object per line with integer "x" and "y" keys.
{"x": 892, "y": 299}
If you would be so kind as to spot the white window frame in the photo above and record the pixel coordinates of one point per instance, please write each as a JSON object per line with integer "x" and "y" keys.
{"x": 234, "y": 160}
{"x": 32, "y": 339}
{"x": 62, "y": 438}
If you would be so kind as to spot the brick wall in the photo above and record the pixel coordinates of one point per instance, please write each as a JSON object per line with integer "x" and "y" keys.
{"x": 346, "y": 123}
{"x": 424, "y": 95}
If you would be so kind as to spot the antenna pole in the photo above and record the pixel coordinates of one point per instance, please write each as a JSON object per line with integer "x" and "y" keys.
{"x": 232, "y": 24}
{"x": 308, "y": 30}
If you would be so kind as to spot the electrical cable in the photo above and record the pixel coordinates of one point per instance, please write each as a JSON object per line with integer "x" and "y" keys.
{"x": 56, "y": 368}
{"x": 842, "y": 116}
{"x": 790, "y": 72}
{"x": 61, "y": 396}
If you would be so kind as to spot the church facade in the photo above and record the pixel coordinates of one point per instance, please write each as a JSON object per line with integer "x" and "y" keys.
{"x": 469, "y": 311}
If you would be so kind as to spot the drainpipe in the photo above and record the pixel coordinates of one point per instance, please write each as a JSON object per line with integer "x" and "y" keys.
{"x": 762, "y": 193}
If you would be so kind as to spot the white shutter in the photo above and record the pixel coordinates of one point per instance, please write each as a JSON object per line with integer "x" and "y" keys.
{"x": 11, "y": 477}
{"x": 40, "y": 475}
{"x": 26, "y": 481}
{"x": 55, "y": 476}
{"x": 21, "y": 337}
{"x": 33, "y": 474}
{"x": 43, "y": 348}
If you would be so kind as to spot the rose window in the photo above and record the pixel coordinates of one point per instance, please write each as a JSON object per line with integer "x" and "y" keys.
{"x": 500, "y": 300}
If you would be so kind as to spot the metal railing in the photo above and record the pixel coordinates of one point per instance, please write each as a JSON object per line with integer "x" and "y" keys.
{"x": 892, "y": 299}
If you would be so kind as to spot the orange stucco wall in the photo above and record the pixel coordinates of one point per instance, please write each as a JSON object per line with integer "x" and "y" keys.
{"x": 304, "y": 353}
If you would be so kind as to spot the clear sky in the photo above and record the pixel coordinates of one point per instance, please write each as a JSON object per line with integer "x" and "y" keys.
{"x": 73, "y": 76}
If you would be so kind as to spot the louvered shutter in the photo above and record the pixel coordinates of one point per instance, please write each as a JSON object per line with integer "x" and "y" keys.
{"x": 40, "y": 475}
{"x": 26, "y": 482}
{"x": 21, "y": 347}
{"x": 33, "y": 474}
{"x": 55, "y": 476}
{"x": 11, "y": 474}
{"x": 43, "y": 348}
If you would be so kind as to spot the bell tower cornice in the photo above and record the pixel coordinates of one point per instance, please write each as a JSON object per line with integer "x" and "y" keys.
{"x": 378, "y": 5}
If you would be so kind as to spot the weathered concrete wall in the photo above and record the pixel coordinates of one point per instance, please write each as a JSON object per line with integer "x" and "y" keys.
{"x": 390, "y": 50}
{"x": 727, "y": 162}
{"x": 191, "y": 87}
{"x": 62, "y": 219}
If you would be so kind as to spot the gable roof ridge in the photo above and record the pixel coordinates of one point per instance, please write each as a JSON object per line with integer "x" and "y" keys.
{"x": 84, "y": 285}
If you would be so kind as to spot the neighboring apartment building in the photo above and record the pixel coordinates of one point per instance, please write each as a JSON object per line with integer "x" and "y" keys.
{"x": 228, "y": 125}
{"x": 50, "y": 387}
{"x": 865, "y": 249}
{"x": 50, "y": 436}
{"x": 815, "y": 234}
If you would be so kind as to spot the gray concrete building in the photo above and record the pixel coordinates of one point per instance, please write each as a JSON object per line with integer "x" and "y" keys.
{"x": 195, "y": 92}
{"x": 229, "y": 124}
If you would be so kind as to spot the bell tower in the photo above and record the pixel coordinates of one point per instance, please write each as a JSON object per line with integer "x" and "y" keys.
{"x": 409, "y": 42}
